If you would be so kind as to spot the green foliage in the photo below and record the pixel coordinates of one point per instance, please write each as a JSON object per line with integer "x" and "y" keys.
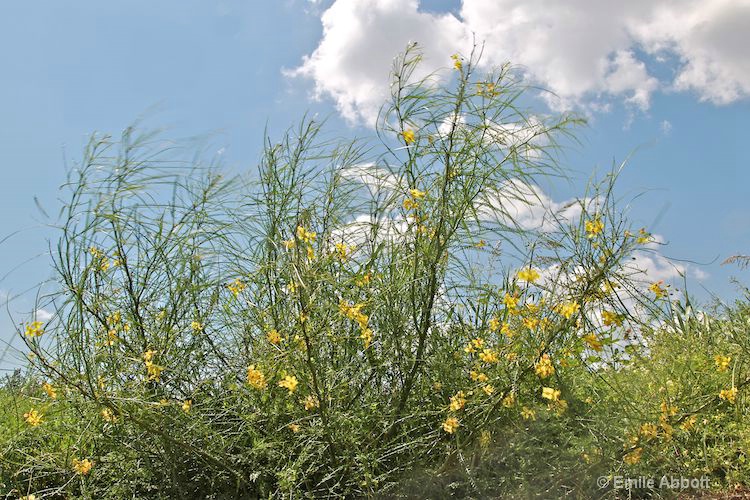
{"x": 357, "y": 320}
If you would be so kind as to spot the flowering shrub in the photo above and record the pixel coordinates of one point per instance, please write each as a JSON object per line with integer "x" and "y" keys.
{"x": 350, "y": 315}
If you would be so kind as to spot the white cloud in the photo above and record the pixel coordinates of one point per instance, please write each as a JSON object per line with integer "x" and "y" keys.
{"x": 526, "y": 205}
{"x": 585, "y": 51}
{"x": 43, "y": 315}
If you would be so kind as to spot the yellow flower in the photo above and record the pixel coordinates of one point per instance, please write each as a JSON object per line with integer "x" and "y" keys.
{"x": 153, "y": 371}
{"x": 633, "y": 457}
{"x": 256, "y": 378}
{"x": 289, "y": 383}
{"x": 658, "y": 290}
{"x": 510, "y": 301}
{"x": 28, "y": 497}
{"x": 294, "y": 428}
{"x": 450, "y": 425}
{"x": 509, "y": 400}
{"x": 729, "y": 395}
{"x": 289, "y": 244}
{"x": 82, "y": 467}
{"x": 643, "y": 237}
{"x": 457, "y": 64}
{"x": 594, "y": 227}
{"x": 550, "y": 393}
{"x": 408, "y": 136}
{"x": 187, "y": 405}
{"x": 50, "y": 390}
{"x": 722, "y": 362}
{"x": 544, "y": 367}
{"x": 530, "y": 323}
{"x": 489, "y": 356}
{"x": 410, "y": 204}
{"x": 649, "y": 430}
{"x": 197, "y": 326}
{"x": 610, "y": 318}
{"x": 33, "y": 417}
{"x": 417, "y": 194}
{"x": 528, "y": 275}
{"x": 689, "y": 424}
{"x": 364, "y": 280}
{"x": 342, "y": 250}
{"x": 458, "y": 401}
{"x": 311, "y": 402}
{"x": 528, "y": 413}
{"x": 505, "y": 329}
{"x": 488, "y": 389}
{"x": 480, "y": 244}
{"x": 494, "y": 324}
{"x": 108, "y": 416}
{"x": 35, "y": 329}
{"x": 274, "y": 337}
{"x": 568, "y": 309}
{"x": 593, "y": 342}
{"x": 237, "y": 287}
{"x": 305, "y": 236}
{"x": 366, "y": 336}
{"x": 478, "y": 376}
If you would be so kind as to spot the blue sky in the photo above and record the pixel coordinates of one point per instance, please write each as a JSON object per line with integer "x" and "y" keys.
{"x": 675, "y": 97}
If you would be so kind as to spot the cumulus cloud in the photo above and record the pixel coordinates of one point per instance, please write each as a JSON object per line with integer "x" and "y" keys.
{"x": 587, "y": 52}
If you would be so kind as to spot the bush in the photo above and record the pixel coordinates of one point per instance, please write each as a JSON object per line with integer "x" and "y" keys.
{"x": 355, "y": 320}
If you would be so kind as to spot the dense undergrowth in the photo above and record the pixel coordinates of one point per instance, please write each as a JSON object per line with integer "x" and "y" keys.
{"x": 366, "y": 320}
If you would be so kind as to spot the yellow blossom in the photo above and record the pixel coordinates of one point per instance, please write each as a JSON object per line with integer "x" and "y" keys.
{"x": 509, "y": 400}
{"x": 494, "y": 324}
{"x": 568, "y": 309}
{"x": 550, "y": 393}
{"x": 510, "y": 301}
{"x": 311, "y": 402}
{"x": 643, "y": 237}
{"x": 689, "y": 424}
{"x": 35, "y": 329}
{"x": 544, "y": 367}
{"x": 658, "y": 290}
{"x": 294, "y": 428}
{"x": 289, "y": 244}
{"x": 478, "y": 376}
{"x": 610, "y": 318}
{"x": 50, "y": 390}
{"x": 594, "y": 227}
{"x": 450, "y": 425}
{"x": 33, "y": 417}
{"x": 528, "y": 275}
{"x": 197, "y": 326}
{"x": 305, "y": 236}
{"x": 256, "y": 378}
{"x": 289, "y": 383}
{"x": 722, "y": 362}
{"x": 593, "y": 342}
{"x": 633, "y": 457}
{"x": 82, "y": 467}
{"x": 458, "y": 401}
{"x": 408, "y": 136}
{"x": 528, "y": 413}
{"x": 108, "y": 416}
{"x": 187, "y": 405}
{"x": 489, "y": 356}
{"x": 342, "y": 250}
{"x": 417, "y": 194}
{"x": 366, "y": 336}
{"x": 530, "y": 323}
{"x": 648, "y": 430}
{"x": 457, "y": 64}
{"x": 237, "y": 287}
{"x": 274, "y": 337}
{"x": 729, "y": 395}
{"x": 488, "y": 389}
